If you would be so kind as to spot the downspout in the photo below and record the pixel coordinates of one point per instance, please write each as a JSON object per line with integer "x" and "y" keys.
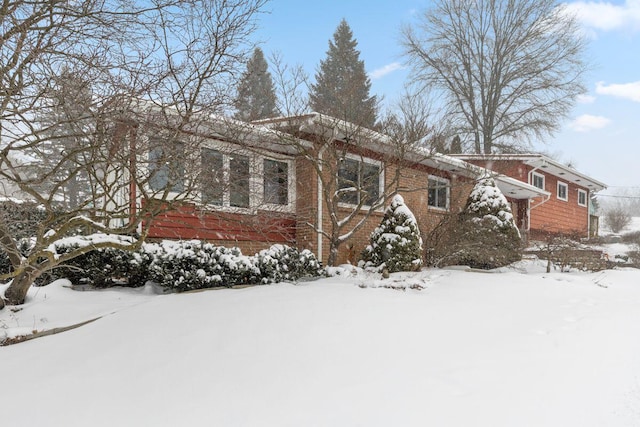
{"x": 544, "y": 200}
{"x": 319, "y": 207}
{"x": 588, "y": 214}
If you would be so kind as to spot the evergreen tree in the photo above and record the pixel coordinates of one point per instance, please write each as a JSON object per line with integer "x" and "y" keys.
{"x": 256, "y": 98}
{"x": 342, "y": 85}
{"x": 396, "y": 244}
{"x": 489, "y": 236}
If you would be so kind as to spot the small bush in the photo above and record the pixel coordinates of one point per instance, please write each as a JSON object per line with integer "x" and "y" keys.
{"x": 281, "y": 262}
{"x": 183, "y": 266}
{"x": 396, "y": 244}
{"x": 617, "y": 218}
{"x": 103, "y": 268}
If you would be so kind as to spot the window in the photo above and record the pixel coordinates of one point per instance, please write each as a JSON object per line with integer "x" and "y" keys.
{"x": 276, "y": 182}
{"x": 359, "y": 182}
{"x": 212, "y": 179}
{"x": 241, "y": 181}
{"x": 537, "y": 180}
{"x": 582, "y": 198}
{"x": 438, "y": 193}
{"x": 563, "y": 191}
{"x": 166, "y": 165}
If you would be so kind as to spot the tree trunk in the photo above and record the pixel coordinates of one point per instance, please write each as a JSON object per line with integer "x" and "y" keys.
{"x": 333, "y": 253}
{"x": 17, "y": 290}
{"x": 476, "y": 143}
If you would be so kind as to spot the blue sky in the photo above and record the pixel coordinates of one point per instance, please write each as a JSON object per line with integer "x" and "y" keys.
{"x": 600, "y": 138}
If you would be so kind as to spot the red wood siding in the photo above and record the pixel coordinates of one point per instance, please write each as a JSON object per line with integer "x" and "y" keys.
{"x": 250, "y": 232}
{"x": 560, "y": 216}
{"x": 555, "y": 215}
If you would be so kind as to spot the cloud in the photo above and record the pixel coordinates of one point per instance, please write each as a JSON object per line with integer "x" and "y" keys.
{"x": 621, "y": 90}
{"x": 387, "y": 69}
{"x": 607, "y": 16}
{"x": 587, "y": 122}
{"x": 586, "y": 99}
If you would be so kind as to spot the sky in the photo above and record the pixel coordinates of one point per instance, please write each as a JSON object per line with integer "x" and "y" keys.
{"x": 601, "y": 137}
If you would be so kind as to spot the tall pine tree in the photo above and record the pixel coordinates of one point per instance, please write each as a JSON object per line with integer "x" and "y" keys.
{"x": 256, "y": 98}
{"x": 342, "y": 85}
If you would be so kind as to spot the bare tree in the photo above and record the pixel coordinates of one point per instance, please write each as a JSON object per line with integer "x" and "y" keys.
{"x": 508, "y": 70}
{"x": 351, "y": 186}
{"x": 617, "y": 217}
{"x": 158, "y": 69}
{"x": 291, "y": 85}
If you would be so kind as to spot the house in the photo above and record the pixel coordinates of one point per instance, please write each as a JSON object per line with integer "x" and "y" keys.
{"x": 307, "y": 181}
{"x": 565, "y": 206}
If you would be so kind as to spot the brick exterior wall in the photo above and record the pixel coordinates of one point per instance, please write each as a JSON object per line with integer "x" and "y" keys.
{"x": 256, "y": 231}
{"x": 412, "y": 185}
{"x": 306, "y": 201}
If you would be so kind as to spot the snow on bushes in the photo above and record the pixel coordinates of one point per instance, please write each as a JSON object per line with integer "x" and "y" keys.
{"x": 396, "y": 244}
{"x": 183, "y": 265}
{"x": 489, "y": 237}
{"x": 281, "y": 262}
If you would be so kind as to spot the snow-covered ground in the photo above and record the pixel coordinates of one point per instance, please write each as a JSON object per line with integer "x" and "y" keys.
{"x": 513, "y": 348}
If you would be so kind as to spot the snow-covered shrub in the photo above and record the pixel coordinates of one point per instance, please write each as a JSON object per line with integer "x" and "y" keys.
{"x": 180, "y": 266}
{"x": 183, "y": 266}
{"x": 104, "y": 267}
{"x": 489, "y": 237}
{"x": 396, "y": 244}
{"x": 282, "y": 262}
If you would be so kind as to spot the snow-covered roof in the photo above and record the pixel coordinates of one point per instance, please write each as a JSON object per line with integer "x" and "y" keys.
{"x": 516, "y": 189}
{"x": 324, "y": 125}
{"x": 543, "y": 163}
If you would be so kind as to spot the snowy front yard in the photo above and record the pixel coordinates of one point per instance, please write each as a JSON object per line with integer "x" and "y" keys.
{"x": 517, "y": 348}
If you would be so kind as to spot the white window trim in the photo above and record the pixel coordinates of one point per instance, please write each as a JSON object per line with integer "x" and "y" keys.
{"x": 560, "y": 183}
{"x": 536, "y": 174}
{"x": 259, "y": 184}
{"x": 381, "y": 188}
{"x": 256, "y": 187}
{"x": 448, "y": 188}
{"x": 586, "y": 199}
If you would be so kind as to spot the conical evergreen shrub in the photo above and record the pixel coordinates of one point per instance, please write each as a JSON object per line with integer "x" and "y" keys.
{"x": 396, "y": 244}
{"x": 489, "y": 236}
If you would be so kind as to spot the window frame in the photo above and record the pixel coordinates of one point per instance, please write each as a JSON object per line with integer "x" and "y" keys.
{"x": 255, "y": 180}
{"x": 586, "y": 199}
{"x": 447, "y": 189}
{"x": 290, "y": 185}
{"x": 535, "y": 175}
{"x": 361, "y": 160}
{"x": 157, "y": 144}
{"x": 566, "y": 191}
